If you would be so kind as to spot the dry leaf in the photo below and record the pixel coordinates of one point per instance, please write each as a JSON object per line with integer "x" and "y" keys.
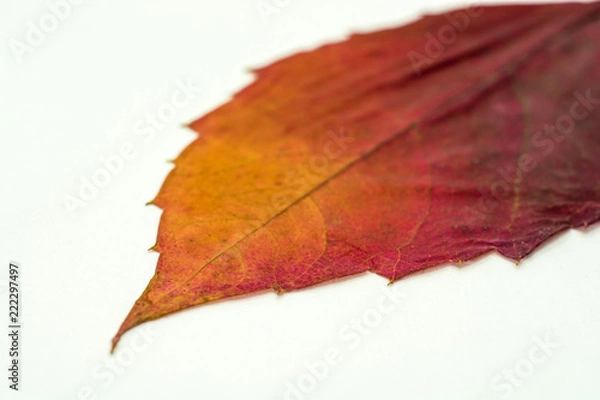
{"x": 390, "y": 152}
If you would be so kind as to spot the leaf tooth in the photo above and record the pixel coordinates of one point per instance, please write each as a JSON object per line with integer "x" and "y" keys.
{"x": 278, "y": 289}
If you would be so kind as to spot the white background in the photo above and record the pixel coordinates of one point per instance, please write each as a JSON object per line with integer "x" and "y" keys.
{"x": 74, "y": 100}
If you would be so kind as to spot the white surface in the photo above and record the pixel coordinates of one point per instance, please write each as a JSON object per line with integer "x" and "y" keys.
{"x": 76, "y": 98}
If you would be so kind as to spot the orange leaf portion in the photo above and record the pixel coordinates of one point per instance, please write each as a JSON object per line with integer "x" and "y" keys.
{"x": 385, "y": 153}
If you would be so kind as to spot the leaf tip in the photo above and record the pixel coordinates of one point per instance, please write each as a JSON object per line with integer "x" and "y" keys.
{"x": 114, "y": 345}
{"x": 115, "y": 341}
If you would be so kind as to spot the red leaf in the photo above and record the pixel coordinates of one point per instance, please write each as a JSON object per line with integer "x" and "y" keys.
{"x": 391, "y": 152}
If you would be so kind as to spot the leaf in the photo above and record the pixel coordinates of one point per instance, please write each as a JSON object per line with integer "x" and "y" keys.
{"x": 390, "y": 152}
